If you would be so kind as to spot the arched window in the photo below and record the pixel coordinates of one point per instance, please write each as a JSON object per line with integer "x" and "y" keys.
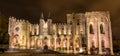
{"x": 101, "y": 29}
{"x": 91, "y": 29}
{"x": 70, "y": 22}
{"x": 83, "y": 40}
{"x": 45, "y": 38}
{"x": 78, "y": 23}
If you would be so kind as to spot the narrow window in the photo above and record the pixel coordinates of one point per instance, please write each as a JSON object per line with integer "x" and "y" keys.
{"x": 91, "y": 29}
{"x": 101, "y": 29}
{"x": 70, "y": 22}
{"x": 62, "y": 28}
{"x": 78, "y": 23}
{"x": 35, "y": 31}
{"x": 83, "y": 41}
{"x": 45, "y": 38}
{"x": 93, "y": 45}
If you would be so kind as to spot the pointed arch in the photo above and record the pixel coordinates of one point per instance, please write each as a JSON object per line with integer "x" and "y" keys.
{"x": 91, "y": 31}
{"x": 102, "y": 29}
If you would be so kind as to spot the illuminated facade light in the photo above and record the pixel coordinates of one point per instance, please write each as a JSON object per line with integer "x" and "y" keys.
{"x": 81, "y": 50}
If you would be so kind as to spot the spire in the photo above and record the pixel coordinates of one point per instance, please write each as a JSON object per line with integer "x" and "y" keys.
{"x": 49, "y": 15}
{"x": 42, "y": 15}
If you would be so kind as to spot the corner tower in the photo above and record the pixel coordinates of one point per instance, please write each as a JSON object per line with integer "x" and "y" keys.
{"x": 99, "y": 32}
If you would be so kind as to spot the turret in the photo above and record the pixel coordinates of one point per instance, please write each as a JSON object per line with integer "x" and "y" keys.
{"x": 42, "y": 16}
{"x": 49, "y": 15}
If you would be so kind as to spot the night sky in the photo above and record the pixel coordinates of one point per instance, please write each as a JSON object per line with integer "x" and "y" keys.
{"x": 31, "y": 10}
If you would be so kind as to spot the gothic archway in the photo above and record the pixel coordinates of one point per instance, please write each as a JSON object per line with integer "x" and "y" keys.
{"x": 91, "y": 30}
{"x": 32, "y": 42}
{"x": 101, "y": 29}
{"x": 15, "y": 42}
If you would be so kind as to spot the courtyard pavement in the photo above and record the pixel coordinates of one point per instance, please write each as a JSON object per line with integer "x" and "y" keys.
{"x": 41, "y": 53}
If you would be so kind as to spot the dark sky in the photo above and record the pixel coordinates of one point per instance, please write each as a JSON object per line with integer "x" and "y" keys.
{"x": 31, "y": 9}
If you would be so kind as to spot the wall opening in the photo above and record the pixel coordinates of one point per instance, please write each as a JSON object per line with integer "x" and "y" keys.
{"x": 91, "y": 29}
{"x": 101, "y": 29}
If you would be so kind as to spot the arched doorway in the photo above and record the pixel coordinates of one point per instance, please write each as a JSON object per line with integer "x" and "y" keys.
{"x": 15, "y": 42}
{"x": 45, "y": 43}
{"x": 93, "y": 49}
{"x": 45, "y": 40}
{"x": 32, "y": 42}
{"x": 38, "y": 43}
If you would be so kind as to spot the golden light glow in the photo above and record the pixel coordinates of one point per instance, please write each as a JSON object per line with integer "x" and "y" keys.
{"x": 81, "y": 50}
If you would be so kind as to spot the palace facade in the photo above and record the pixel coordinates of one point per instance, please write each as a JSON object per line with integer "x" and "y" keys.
{"x": 82, "y": 32}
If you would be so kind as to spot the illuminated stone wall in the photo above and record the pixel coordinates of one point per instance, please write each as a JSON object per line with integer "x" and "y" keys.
{"x": 99, "y": 31}
{"x": 81, "y": 31}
